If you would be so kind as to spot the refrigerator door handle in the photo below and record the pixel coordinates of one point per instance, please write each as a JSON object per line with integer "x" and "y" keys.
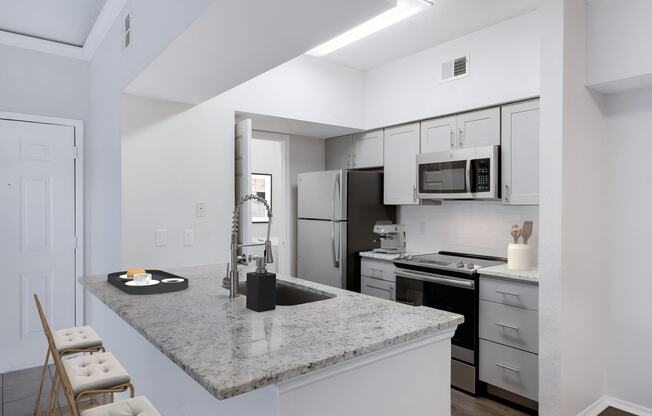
{"x": 336, "y": 260}
{"x": 336, "y": 190}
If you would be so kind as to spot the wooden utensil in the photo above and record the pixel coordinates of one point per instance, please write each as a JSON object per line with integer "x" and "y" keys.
{"x": 516, "y": 233}
{"x": 527, "y": 231}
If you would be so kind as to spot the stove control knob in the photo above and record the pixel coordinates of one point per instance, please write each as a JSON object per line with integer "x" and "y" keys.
{"x": 470, "y": 266}
{"x": 460, "y": 265}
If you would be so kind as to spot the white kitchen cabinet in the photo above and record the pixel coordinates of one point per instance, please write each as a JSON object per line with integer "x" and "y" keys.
{"x": 377, "y": 288}
{"x": 520, "y": 153}
{"x": 439, "y": 134}
{"x": 400, "y": 157}
{"x": 368, "y": 149}
{"x": 339, "y": 152}
{"x": 479, "y": 128}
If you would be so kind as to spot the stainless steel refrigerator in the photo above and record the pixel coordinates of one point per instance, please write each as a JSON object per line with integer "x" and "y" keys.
{"x": 337, "y": 210}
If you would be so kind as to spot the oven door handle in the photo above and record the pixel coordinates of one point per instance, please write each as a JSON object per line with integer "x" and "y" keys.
{"x": 437, "y": 278}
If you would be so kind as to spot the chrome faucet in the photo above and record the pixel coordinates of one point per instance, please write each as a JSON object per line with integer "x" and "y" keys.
{"x": 234, "y": 277}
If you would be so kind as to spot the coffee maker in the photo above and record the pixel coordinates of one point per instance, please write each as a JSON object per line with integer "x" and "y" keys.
{"x": 392, "y": 238}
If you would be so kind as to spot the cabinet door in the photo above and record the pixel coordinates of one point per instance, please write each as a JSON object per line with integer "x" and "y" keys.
{"x": 378, "y": 288}
{"x": 520, "y": 153}
{"x": 368, "y": 149}
{"x": 338, "y": 152}
{"x": 401, "y": 150}
{"x": 479, "y": 128}
{"x": 438, "y": 135}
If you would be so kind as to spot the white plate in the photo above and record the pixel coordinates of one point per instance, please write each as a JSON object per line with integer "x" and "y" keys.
{"x": 172, "y": 280}
{"x": 124, "y": 276}
{"x": 147, "y": 283}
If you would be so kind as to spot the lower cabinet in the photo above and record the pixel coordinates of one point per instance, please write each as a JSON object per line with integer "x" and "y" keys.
{"x": 378, "y": 278}
{"x": 511, "y": 369}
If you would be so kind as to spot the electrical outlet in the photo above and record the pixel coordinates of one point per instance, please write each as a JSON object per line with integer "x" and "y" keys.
{"x": 200, "y": 209}
{"x": 188, "y": 237}
{"x": 161, "y": 237}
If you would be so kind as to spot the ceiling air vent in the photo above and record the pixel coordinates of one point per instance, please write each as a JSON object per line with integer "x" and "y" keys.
{"x": 455, "y": 69}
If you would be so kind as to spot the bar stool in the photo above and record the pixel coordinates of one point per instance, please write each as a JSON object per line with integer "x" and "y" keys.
{"x": 138, "y": 406}
{"x": 83, "y": 376}
{"x": 68, "y": 341}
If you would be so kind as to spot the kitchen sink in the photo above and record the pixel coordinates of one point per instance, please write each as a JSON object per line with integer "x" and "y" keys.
{"x": 290, "y": 295}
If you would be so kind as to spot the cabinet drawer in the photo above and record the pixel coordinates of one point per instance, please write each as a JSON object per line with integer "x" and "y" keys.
{"x": 378, "y": 288}
{"x": 510, "y": 293}
{"x": 509, "y": 325}
{"x": 510, "y": 369}
{"x": 378, "y": 269}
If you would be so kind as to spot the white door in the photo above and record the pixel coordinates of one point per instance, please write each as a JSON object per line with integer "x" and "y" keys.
{"x": 438, "y": 135}
{"x": 37, "y": 237}
{"x": 520, "y": 153}
{"x": 368, "y": 149}
{"x": 479, "y": 128}
{"x": 243, "y": 136}
{"x": 321, "y": 252}
{"x": 401, "y": 150}
{"x": 338, "y": 152}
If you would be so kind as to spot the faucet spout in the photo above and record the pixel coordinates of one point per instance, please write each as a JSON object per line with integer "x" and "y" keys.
{"x": 234, "y": 276}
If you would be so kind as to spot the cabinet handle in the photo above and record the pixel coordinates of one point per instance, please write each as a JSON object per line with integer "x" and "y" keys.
{"x": 506, "y": 367}
{"x": 353, "y": 160}
{"x": 515, "y": 328}
{"x": 414, "y": 193}
{"x": 452, "y": 139}
{"x": 460, "y": 138}
{"x": 507, "y": 193}
{"x": 348, "y": 163}
{"x": 502, "y": 292}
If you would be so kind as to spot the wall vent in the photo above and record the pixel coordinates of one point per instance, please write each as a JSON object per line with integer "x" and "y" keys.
{"x": 455, "y": 69}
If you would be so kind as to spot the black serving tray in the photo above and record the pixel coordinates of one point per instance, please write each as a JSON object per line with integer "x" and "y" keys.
{"x": 115, "y": 280}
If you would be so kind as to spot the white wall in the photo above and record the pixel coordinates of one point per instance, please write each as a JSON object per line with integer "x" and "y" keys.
{"x": 174, "y": 155}
{"x": 629, "y": 121}
{"x": 619, "y": 37}
{"x": 504, "y": 66}
{"x": 465, "y": 226}
{"x": 304, "y": 88}
{"x": 266, "y": 157}
{"x": 574, "y": 280}
{"x": 39, "y": 83}
{"x": 306, "y": 155}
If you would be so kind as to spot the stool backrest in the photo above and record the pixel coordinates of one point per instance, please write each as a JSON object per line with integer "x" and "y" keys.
{"x": 58, "y": 363}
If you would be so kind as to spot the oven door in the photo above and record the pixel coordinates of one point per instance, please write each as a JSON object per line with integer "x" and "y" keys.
{"x": 448, "y": 293}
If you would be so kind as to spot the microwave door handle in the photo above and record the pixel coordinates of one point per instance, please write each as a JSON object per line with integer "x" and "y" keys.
{"x": 468, "y": 176}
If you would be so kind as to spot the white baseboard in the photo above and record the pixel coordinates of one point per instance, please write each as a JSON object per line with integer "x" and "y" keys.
{"x": 605, "y": 401}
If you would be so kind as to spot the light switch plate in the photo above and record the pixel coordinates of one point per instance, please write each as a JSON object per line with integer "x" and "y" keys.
{"x": 188, "y": 237}
{"x": 161, "y": 237}
{"x": 200, "y": 209}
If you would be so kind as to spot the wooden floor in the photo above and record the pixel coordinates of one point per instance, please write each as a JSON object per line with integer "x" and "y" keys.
{"x": 463, "y": 404}
{"x": 610, "y": 411}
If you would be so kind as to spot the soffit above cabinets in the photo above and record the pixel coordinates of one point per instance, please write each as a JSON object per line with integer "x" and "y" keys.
{"x": 72, "y": 28}
{"x": 444, "y": 21}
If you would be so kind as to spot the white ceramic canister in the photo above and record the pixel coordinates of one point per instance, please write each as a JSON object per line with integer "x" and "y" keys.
{"x": 519, "y": 256}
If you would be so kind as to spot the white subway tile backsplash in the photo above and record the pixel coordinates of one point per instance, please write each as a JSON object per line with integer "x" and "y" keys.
{"x": 480, "y": 227}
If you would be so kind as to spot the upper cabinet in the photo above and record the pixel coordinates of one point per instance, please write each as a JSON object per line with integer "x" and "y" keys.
{"x": 368, "y": 149}
{"x": 439, "y": 134}
{"x": 358, "y": 151}
{"x": 479, "y": 128}
{"x": 339, "y": 152}
{"x": 401, "y": 150}
{"x": 520, "y": 153}
{"x": 474, "y": 129}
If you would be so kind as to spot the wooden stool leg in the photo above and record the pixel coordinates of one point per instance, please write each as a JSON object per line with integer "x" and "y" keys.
{"x": 53, "y": 393}
{"x": 37, "y": 406}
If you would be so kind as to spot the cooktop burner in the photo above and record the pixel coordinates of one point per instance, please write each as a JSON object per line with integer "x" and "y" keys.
{"x": 459, "y": 262}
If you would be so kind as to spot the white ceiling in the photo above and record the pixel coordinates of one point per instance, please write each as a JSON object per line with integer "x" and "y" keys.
{"x": 62, "y": 21}
{"x": 234, "y": 41}
{"x": 444, "y": 21}
{"x": 294, "y": 127}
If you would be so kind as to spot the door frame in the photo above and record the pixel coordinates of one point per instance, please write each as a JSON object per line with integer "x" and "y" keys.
{"x": 284, "y": 140}
{"x": 78, "y": 126}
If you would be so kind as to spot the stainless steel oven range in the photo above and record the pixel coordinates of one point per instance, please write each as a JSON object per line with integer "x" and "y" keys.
{"x": 448, "y": 281}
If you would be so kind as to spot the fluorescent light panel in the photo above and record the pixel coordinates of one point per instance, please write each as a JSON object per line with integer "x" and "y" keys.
{"x": 402, "y": 10}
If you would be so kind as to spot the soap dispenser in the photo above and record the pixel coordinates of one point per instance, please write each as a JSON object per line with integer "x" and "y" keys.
{"x": 261, "y": 288}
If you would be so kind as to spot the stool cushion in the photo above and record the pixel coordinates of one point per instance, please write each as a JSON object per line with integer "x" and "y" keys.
{"x": 138, "y": 406}
{"x": 77, "y": 338}
{"x": 97, "y": 371}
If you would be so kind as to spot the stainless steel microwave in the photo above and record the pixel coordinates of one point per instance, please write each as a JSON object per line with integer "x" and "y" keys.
{"x": 470, "y": 173}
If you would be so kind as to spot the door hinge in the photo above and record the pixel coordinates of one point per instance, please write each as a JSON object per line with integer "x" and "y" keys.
{"x": 74, "y": 152}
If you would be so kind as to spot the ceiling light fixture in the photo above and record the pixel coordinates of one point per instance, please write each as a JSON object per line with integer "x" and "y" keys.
{"x": 402, "y": 10}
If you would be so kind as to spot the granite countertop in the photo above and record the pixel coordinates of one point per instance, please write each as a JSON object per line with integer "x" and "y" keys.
{"x": 526, "y": 276}
{"x": 231, "y": 350}
{"x": 379, "y": 256}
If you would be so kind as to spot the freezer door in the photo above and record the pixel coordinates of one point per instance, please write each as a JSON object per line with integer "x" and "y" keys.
{"x": 322, "y": 195}
{"x": 321, "y": 251}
